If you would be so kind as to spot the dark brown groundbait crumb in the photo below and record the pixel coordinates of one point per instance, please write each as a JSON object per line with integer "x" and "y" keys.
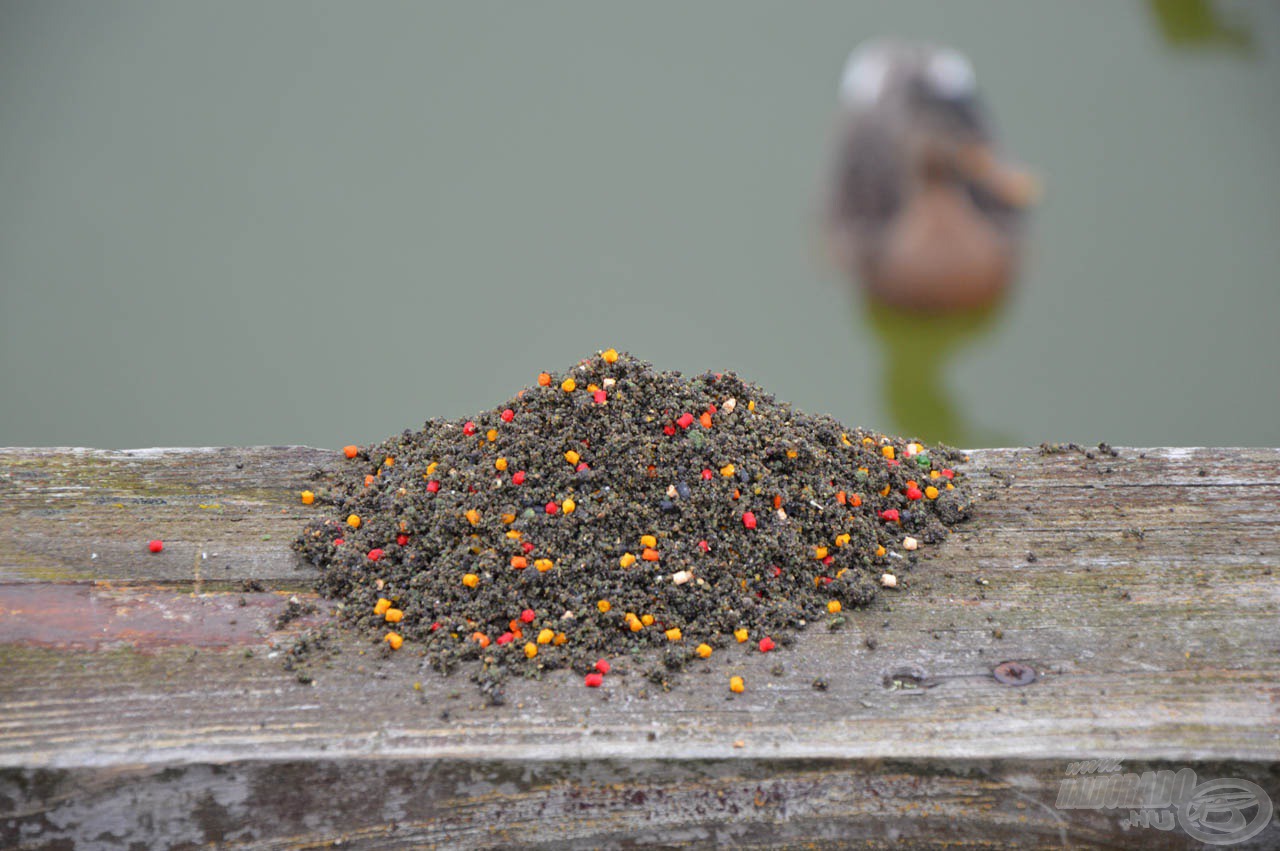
{"x": 624, "y": 454}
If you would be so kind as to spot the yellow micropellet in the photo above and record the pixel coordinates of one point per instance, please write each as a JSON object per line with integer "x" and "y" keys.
{"x": 884, "y": 491}
{"x": 500, "y": 464}
{"x": 394, "y": 615}
{"x": 610, "y": 355}
{"x": 389, "y": 461}
{"x": 834, "y": 607}
{"x": 380, "y": 608}
{"x": 353, "y": 521}
{"x": 727, "y": 470}
{"x": 841, "y": 540}
{"x": 844, "y": 438}
{"x": 394, "y": 639}
{"x": 792, "y": 454}
{"x": 568, "y": 506}
{"x": 819, "y": 552}
{"x": 473, "y": 516}
{"x": 568, "y": 385}
{"x": 431, "y": 468}
{"x": 647, "y": 620}
{"x": 674, "y": 634}
{"x": 736, "y": 685}
{"x": 508, "y": 519}
{"x": 931, "y": 492}
{"x": 887, "y": 451}
{"x": 307, "y": 497}
{"x": 572, "y": 457}
{"x": 603, "y": 606}
{"x": 648, "y": 541}
{"x": 627, "y": 560}
{"x": 704, "y": 650}
{"x": 950, "y": 486}
{"x": 934, "y": 474}
{"x": 740, "y": 634}
{"x": 530, "y": 650}
{"x": 471, "y": 580}
{"x": 751, "y": 406}
{"x": 544, "y": 564}
{"x": 546, "y": 636}
{"x": 491, "y": 435}
{"x": 515, "y": 534}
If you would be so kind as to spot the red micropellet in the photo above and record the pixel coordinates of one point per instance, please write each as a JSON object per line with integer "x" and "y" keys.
{"x": 599, "y": 397}
{"x": 402, "y": 539}
{"x": 582, "y": 466}
{"x": 777, "y": 571}
{"x": 552, "y": 508}
{"x": 889, "y": 515}
{"x": 518, "y": 478}
{"x": 337, "y": 542}
{"x": 766, "y": 644}
{"x": 706, "y": 475}
{"x": 668, "y": 429}
{"x": 506, "y": 638}
{"x": 828, "y": 560}
{"x": 686, "y": 420}
{"x": 948, "y": 473}
{"x": 508, "y": 415}
{"x": 704, "y": 546}
{"x": 433, "y": 486}
{"x": 603, "y": 666}
{"x": 748, "y": 520}
{"x": 528, "y": 615}
{"x": 827, "y": 580}
{"x": 526, "y": 546}
{"x": 469, "y": 429}
{"x": 375, "y": 554}
{"x": 155, "y": 546}
{"x": 593, "y": 680}
{"x": 914, "y": 492}
{"x": 892, "y": 462}
{"x": 435, "y": 626}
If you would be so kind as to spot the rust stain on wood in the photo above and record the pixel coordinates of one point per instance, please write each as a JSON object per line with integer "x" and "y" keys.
{"x": 86, "y": 616}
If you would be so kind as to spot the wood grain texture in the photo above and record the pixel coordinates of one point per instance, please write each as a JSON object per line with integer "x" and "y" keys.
{"x": 1142, "y": 590}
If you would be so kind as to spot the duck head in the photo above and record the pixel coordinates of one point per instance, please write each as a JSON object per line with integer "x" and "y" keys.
{"x": 923, "y": 210}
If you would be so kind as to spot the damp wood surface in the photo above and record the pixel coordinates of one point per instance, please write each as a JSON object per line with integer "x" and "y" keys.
{"x": 142, "y": 698}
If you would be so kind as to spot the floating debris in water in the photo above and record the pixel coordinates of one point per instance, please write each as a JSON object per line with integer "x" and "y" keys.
{"x": 663, "y": 515}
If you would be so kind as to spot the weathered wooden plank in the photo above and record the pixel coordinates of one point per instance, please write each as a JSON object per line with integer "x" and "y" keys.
{"x": 1151, "y": 614}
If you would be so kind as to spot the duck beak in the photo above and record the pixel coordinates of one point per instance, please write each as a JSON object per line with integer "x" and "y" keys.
{"x": 1015, "y": 186}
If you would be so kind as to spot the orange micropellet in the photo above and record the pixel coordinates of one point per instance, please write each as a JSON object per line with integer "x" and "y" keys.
{"x": 308, "y": 497}
{"x": 647, "y": 620}
{"x": 704, "y": 650}
{"x": 842, "y": 498}
{"x": 394, "y": 639}
{"x": 544, "y": 380}
{"x": 471, "y": 580}
{"x": 544, "y": 564}
{"x": 351, "y": 451}
{"x": 519, "y": 562}
{"x": 650, "y": 554}
{"x": 568, "y": 385}
{"x": 381, "y": 607}
{"x": 353, "y": 520}
{"x": 648, "y": 541}
{"x": 603, "y": 606}
{"x": 473, "y": 516}
{"x": 394, "y": 615}
{"x": 572, "y": 457}
{"x": 855, "y": 500}
{"x": 560, "y": 638}
{"x": 705, "y": 419}
{"x": 834, "y": 607}
{"x": 481, "y": 639}
{"x": 610, "y": 355}
{"x": 880, "y": 552}
{"x": 491, "y": 435}
{"x": 727, "y": 470}
{"x": 368, "y": 480}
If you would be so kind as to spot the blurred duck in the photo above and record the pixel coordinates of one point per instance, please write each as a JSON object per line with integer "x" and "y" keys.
{"x": 923, "y": 211}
